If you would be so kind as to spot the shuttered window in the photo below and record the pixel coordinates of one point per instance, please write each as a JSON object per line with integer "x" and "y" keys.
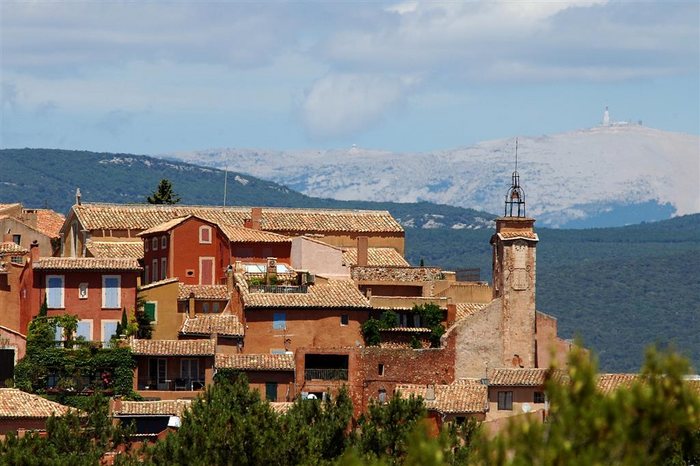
{"x": 54, "y": 291}
{"x": 150, "y": 310}
{"x": 109, "y": 329}
{"x": 111, "y": 291}
{"x": 84, "y": 330}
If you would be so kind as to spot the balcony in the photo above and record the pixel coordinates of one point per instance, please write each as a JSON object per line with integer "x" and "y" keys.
{"x": 166, "y": 385}
{"x": 326, "y": 374}
{"x": 278, "y": 289}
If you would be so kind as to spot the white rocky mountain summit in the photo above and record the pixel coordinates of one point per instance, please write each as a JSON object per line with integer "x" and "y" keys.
{"x": 569, "y": 178}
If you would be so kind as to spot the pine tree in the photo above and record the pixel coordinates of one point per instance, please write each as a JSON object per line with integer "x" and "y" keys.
{"x": 44, "y": 308}
{"x": 164, "y": 194}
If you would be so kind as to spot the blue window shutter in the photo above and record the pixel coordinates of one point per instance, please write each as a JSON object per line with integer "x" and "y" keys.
{"x": 84, "y": 330}
{"x": 279, "y": 321}
{"x": 110, "y": 329}
{"x": 54, "y": 292}
{"x": 111, "y": 292}
{"x": 59, "y": 333}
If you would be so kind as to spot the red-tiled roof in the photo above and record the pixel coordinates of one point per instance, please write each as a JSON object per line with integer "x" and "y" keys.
{"x": 153, "y": 408}
{"x": 112, "y": 249}
{"x": 255, "y": 362}
{"x": 208, "y": 324}
{"x": 333, "y": 294}
{"x": 49, "y": 222}
{"x": 396, "y": 274}
{"x": 172, "y": 347}
{"x": 213, "y": 292}
{"x": 468, "y": 309}
{"x": 9, "y": 248}
{"x": 382, "y": 257}
{"x": 165, "y": 281}
{"x": 248, "y": 235}
{"x": 15, "y": 403}
{"x": 525, "y": 234}
{"x": 608, "y": 383}
{"x": 145, "y": 216}
{"x": 461, "y": 396}
{"x": 86, "y": 263}
{"x": 281, "y": 407}
{"x": 525, "y": 377}
{"x": 406, "y": 330}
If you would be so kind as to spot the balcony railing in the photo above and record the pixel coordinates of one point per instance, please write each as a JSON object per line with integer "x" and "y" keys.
{"x": 326, "y": 374}
{"x": 167, "y": 385}
{"x": 278, "y": 289}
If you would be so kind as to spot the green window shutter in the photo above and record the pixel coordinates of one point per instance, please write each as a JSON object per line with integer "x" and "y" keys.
{"x": 150, "y": 310}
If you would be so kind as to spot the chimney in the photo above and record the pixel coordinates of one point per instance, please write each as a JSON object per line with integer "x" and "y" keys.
{"x": 451, "y": 314}
{"x": 229, "y": 279}
{"x": 271, "y": 271}
{"x": 362, "y": 242}
{"x": 190, "y": 306}
{"x": 255, "y": 218}
{"x": 34, "y": 251}
{"x": 77, "y": 196}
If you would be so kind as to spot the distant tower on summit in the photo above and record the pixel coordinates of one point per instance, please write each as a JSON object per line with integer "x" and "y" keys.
{"x": 606, "y": 117}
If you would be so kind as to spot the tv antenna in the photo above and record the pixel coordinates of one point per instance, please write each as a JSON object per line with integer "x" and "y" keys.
{"x": 225, "y": 182}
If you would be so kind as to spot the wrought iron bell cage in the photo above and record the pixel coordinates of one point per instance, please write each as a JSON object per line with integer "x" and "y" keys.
{"x": 515, "y": 198}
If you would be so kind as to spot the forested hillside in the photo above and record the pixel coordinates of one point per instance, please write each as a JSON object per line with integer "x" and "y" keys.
{"x": 619, "y": 288}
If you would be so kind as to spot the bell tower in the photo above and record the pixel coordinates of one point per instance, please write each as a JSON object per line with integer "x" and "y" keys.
{"x": 514, "y": 245}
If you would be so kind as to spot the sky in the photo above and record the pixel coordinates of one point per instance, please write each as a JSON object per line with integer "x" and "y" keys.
{"x": 153, "y": 77}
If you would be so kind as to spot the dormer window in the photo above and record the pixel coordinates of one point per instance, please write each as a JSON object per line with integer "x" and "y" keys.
{"x": 205, "y": 235}
{"x": 154, "y": 244}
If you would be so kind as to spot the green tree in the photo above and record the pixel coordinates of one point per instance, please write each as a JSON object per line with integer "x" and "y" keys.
{"x": 431, "y": 317}
{"x": 44, "y": 308}
{"x": 163, "y": 194}
{"x": 370, "y": 332}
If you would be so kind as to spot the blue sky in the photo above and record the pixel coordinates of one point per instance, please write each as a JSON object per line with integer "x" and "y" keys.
{"x": 156, "y": 77}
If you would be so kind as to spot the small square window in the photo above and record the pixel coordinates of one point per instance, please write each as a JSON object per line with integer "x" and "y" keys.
{"x": 344, "y": 319}
{"x": 380, "y": 369}
{"x": 205, "y": 234}
{"x": 505, "y": 401}
{"x": 163, "y": 242}
{"x": 539, "y": 397}
{"x": 16, "y": 239}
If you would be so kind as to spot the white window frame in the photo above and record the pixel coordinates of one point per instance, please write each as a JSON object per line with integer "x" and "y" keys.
{"x": 63, "y": 291}
{"x": 205, "y": 228}
{"x": 163, "y": 268}
{"x": 163, "y": 242}
{"x": 92, "y": 329}
{"x": 154, "y": 270}
{"x": 154, "y": 243}
{"x": 83, "y": 287}
{"x": 213, "y": 268}
{"x": 119, "y": 291}
{"x": 102, "y": 324}
{"x": 145, "y": 244}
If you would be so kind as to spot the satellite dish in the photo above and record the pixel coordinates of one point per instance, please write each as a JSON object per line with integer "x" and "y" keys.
{"x": 311, "y": 396}
{"x": 527, "y": 408}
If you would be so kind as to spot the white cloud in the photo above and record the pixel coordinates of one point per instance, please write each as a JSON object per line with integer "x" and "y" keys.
{"x": 338, "y": 105}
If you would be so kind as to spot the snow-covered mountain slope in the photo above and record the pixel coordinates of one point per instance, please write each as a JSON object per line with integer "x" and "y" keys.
{"x": 603, "y": 176}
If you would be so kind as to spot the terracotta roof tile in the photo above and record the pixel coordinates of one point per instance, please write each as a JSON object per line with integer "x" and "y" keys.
{"x": 15, "y": 205}
{"x": 468, "y": 309}
{"x": 281, "y": 407}
{"x": 255, "y": 362}
{"x": 113, "y": 249}
{"x": 153, "y": 408}
{"x": 461, "y": 396}
{"x": 386, "y": 257}
{"x": 9, "y": 248}
{"x": 333, "y": 294}
{"x": 526, "y": 234}
{"x": 518, "y": 377}
{"x": 86, "y": 263}
{"x": 214, "y": 292}
{"x": 145, "y": 216}
{"x": 207, "y": 324}
{"x": 49, "y": 222}
{"x": 248, "y": 235}
{"x": 172, "y": 347}
{"x": 165, "y": 281}
{"x": 396, "y": 274}
{"x": 15, "y": 403}
{"x": 406, "y": 330}
{"x": 608, "y": 383}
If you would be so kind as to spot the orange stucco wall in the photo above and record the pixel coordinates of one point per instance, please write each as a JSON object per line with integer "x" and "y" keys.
{"x": 10, "y": 286}
{"x": 259, "y": 252}
{"x": 304, "y": 328}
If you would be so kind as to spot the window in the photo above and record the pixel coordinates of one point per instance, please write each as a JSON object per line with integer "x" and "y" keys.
{"x": 539, "y": 397}
{"x": 163, "y": 242}
{"x": 146, "y": 274}
{"x": 54, "y": 291}
{"x": 154, "y": 244}
{"x": 344, "y": 319}
{"x": 205, "y": 234}
{"x": 380, "y": 369}
{"x": 16, "y": 239}
{"x": 83, "y": 291}
{"x": 17, "y": 260}
{"x": 416, "y": 320}
{"x": 157, "y": 373}
{"x": 149, "y": 308}
{"x": 271, "y": 391}
{"x": 154, "y": 270}
{"x": 381, "y": 395}
{"x": 111, "y": 291}
{"x": 84, "y": 330}
{"x": 58, "y": 335}
{"x": 189, "y": 369}
{"x": 279, "y": 321}
{"x": 205, "y": 308}
{"x": 505, "y": 401}
{"x": 215, "y": 307}
{"x": 145, "y": 245}
{"x": 109, "y": 329}
{"x": 163, "y": 268}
